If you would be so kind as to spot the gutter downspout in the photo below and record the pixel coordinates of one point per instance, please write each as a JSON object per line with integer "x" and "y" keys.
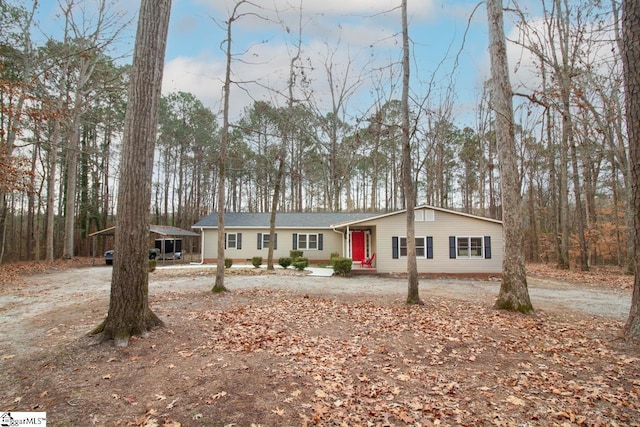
{"x": 342, "y": 238}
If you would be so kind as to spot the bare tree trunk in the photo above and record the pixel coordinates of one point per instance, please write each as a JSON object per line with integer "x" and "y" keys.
{"x": 413, "y": 294}
{"x": 514, "y": 294}
{"x": 52, "y": 162}
{"x": 72, "y": 183}
{"x": 619, "y": 151}
{"x": 222, "y": 158}
{"x": 580, "y": 214}
{"x": 31, "y": 217}
{"x": 563, "y": 200}
{"x": 282, "y": 151}
{"x": 631, "y": 67}
{"x": 129, "y": 311}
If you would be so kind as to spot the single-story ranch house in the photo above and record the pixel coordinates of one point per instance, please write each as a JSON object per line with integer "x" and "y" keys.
{"x": 447, "y": 242}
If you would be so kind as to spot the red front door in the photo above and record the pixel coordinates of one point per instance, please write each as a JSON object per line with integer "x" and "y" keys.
{"x": 357, "y": 245}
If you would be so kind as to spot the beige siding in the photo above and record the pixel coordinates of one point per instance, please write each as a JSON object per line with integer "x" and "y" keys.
{"x": 445, "y": 225}
{"x": 382, "y": 229}
{"x": 332, "y": 242}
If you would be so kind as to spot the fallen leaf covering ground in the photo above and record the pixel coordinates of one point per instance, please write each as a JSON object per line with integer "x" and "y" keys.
{"x": 274, "y": 358}
{"x": 611, "y": 277}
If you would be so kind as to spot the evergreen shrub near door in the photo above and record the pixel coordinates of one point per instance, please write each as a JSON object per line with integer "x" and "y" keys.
{"x": 228, "y": 262}
{"x": 256, "y": 261}
{"x": 334, "y": 256}
{"x": 342, "y": 266}
{"x": 301, "y": 263}
{"x": 297, "y": 260}
{"x": 295, "y": 254}
{"x": 285, "y": 262}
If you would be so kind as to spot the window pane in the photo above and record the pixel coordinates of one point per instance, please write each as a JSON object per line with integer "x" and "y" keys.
{"x": 302, "y": 241}
{"x": 313, "y": 241}
{"x": 265, "y": 241}
{"x": 421, "y": 249}
{"x": 463, "y": 246}
{"x": 476, "y": 246}
{"x": 231, "y": 241}
{"x": 429, "y": 215}
{"x": 403, "y": 246}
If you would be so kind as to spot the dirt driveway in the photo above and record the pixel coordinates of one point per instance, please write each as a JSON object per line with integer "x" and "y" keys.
{"x": 64, "y": 293}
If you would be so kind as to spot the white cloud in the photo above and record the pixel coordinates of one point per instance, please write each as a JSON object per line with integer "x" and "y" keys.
{"x": 266, "y": 64}
{"x": 357, "y": 34}
{"x": 201, "y": 76}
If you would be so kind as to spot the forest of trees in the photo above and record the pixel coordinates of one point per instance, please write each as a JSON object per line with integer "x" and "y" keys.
{"x": 62, "y": 107}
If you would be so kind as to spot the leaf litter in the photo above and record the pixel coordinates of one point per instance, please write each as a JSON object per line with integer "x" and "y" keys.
{"x": 271, "y": 357}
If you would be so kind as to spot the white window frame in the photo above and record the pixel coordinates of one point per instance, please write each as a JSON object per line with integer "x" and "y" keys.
{"x": 425, "y": 215}
{"x": 469, "y": 247}
{"x": 401, "y": 246}
{"x": 265, "y": 240}
{"x": 235, "y": 241}
{"x": 429, "y": 215}
{"x": 307, "y": 241}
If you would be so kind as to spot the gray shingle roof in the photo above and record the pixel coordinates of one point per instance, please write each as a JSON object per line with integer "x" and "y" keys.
{"x": 283, "y": 220}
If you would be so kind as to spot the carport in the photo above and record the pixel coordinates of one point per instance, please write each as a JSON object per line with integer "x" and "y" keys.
{"x": 165, "y": 232}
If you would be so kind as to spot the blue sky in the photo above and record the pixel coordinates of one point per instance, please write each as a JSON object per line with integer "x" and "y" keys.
{"x": 363, "y": 35}
{"x": 359, "y": 39}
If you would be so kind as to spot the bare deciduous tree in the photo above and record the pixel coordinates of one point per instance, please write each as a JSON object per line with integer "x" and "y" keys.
{"x": 514, "y": 294}
{"x": 222, "y": 156}
{"x": 408, "y": 183}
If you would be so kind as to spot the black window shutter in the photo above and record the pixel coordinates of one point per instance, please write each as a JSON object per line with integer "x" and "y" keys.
{"x": 487, "y": 247}
{"x": 295, "y": 241}
{"x": 320, "y": 241}
{"x": 225, "y": 240}
{"x": 452, "y": 247}
{"x": 259, "y": 240}
{"x": 394, "y": 247}
{"x": 239, "y": 241}
{"x": 275, "y": 241}
{"x": 429, "y": 247}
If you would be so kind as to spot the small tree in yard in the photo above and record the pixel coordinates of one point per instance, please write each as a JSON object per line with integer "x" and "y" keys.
{"x": 408, "y": 184}
{"x": 129, "y": 312}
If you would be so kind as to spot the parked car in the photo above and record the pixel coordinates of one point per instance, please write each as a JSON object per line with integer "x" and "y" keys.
{"x": 108, "y": 255}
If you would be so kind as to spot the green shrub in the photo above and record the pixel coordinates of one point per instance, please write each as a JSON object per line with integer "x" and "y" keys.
{"x": 228, "y": 262}
{"x": 152, "y": 265}
{"x": 333, "y": 257}
{"x": 342, "y": 266}
{"x": 285, "y": 262}
{"x": 301, "y": 263}
{"x": 256, "y": 261}
{"x": 295, "y": 254}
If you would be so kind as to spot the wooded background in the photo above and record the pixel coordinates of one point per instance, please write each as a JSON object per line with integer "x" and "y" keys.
{"x": 62, "y": 111}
